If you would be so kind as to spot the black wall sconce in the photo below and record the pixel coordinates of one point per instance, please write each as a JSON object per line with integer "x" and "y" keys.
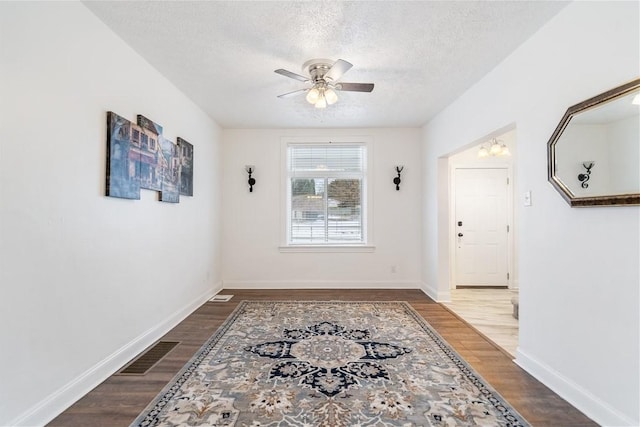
{"x": 584, "y": 177}
{"x": 397, "y": 179}
{"x": 252, "y": 181}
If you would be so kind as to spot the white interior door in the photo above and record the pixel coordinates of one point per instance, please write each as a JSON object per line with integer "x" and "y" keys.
{"x": 481, "y": 227}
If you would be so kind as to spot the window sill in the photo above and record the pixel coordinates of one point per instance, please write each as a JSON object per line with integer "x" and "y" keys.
{"x": 327, "y": 248}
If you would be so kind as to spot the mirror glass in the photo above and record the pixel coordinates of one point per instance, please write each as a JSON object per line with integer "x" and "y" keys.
{"x": 594, "y": 154}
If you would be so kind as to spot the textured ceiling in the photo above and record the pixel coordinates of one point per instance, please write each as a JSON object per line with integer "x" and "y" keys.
{"x": 421, "y": 55}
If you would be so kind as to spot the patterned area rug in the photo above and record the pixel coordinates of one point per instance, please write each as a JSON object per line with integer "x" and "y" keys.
{"x": 329, "y": 364}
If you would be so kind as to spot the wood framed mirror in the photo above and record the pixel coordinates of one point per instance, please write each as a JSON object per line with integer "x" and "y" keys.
{"x": 593, "y": 156}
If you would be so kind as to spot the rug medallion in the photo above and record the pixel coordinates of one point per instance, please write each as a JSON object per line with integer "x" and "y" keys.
{"x": 330, "y": 364}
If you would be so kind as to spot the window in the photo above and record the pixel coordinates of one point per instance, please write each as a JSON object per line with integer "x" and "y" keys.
{"x": 326, "y": 189}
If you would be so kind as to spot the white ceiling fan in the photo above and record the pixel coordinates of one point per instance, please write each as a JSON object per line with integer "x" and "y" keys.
{"x": 323, "y": 76}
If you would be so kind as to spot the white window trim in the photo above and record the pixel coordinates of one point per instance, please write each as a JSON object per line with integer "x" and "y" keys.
{"x": 367, "y": 227}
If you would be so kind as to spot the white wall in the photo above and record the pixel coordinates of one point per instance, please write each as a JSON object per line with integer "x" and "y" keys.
{"x": 87, "y": 281}
{"x": 252, "y": 221}
{"x": 579, "y": 276}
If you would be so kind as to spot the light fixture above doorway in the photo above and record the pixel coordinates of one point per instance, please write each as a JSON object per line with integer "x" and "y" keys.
{"x": 496, "y": 148}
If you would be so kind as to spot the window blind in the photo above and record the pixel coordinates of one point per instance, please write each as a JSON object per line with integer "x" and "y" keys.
{"x": 329, "y": 158}
{"x": 326, "y": 194}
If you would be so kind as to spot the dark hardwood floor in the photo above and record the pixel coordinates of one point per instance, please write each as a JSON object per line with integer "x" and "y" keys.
{"x": 119, "y": 399}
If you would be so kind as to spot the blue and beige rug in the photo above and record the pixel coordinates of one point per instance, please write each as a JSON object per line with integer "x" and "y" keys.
{"x": 330, "y": 364}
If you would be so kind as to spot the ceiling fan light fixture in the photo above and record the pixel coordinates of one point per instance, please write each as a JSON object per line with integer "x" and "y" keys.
{"x": 313, "y": 95}
{"x": 321, "y": 102}
{"x": 331, "y": 96}
{"x": 323, "y": 75}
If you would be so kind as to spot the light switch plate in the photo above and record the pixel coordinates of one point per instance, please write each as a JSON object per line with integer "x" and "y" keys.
{"x": 527, "y": 198}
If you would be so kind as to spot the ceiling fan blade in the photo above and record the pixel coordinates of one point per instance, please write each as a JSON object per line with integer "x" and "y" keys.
{"x": 337, "y": 70}
{"x": 292, "y": 75}
{"x": 295, "y": 92}
{"x": 355, "y": 87}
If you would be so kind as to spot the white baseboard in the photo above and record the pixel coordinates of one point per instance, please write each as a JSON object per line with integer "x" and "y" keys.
{"x": 429, "y": 290}
{"x": 590, "y": 405}
{"x": 53, "y": 405}
{"x": 320, "y": 284}
{"x": 435, "y": 294}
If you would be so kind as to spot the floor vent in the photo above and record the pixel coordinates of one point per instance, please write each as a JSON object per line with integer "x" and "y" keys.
{"x": 221, "y": 298}
{"x": 149, "y": 358}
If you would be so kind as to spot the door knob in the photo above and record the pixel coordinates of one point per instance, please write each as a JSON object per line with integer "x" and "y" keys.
{"x": 460, "y": 234}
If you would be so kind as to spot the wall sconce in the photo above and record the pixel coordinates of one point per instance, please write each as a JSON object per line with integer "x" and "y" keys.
{"x": 397, "y": 179}
{"x": 584, "y": 177}
{"x": 252, "y": 181}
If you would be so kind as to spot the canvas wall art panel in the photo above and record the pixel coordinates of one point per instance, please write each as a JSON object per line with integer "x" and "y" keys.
{"x": 186, "y": 167}
{"x": 171, "y": 172}
{"x": 148, "y": 134}
{"x": 149, "y": 125}
{"x": 123, "y": 159}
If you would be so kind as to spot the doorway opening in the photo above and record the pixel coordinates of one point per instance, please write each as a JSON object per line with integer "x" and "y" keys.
{"x": 482, "y": 259}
